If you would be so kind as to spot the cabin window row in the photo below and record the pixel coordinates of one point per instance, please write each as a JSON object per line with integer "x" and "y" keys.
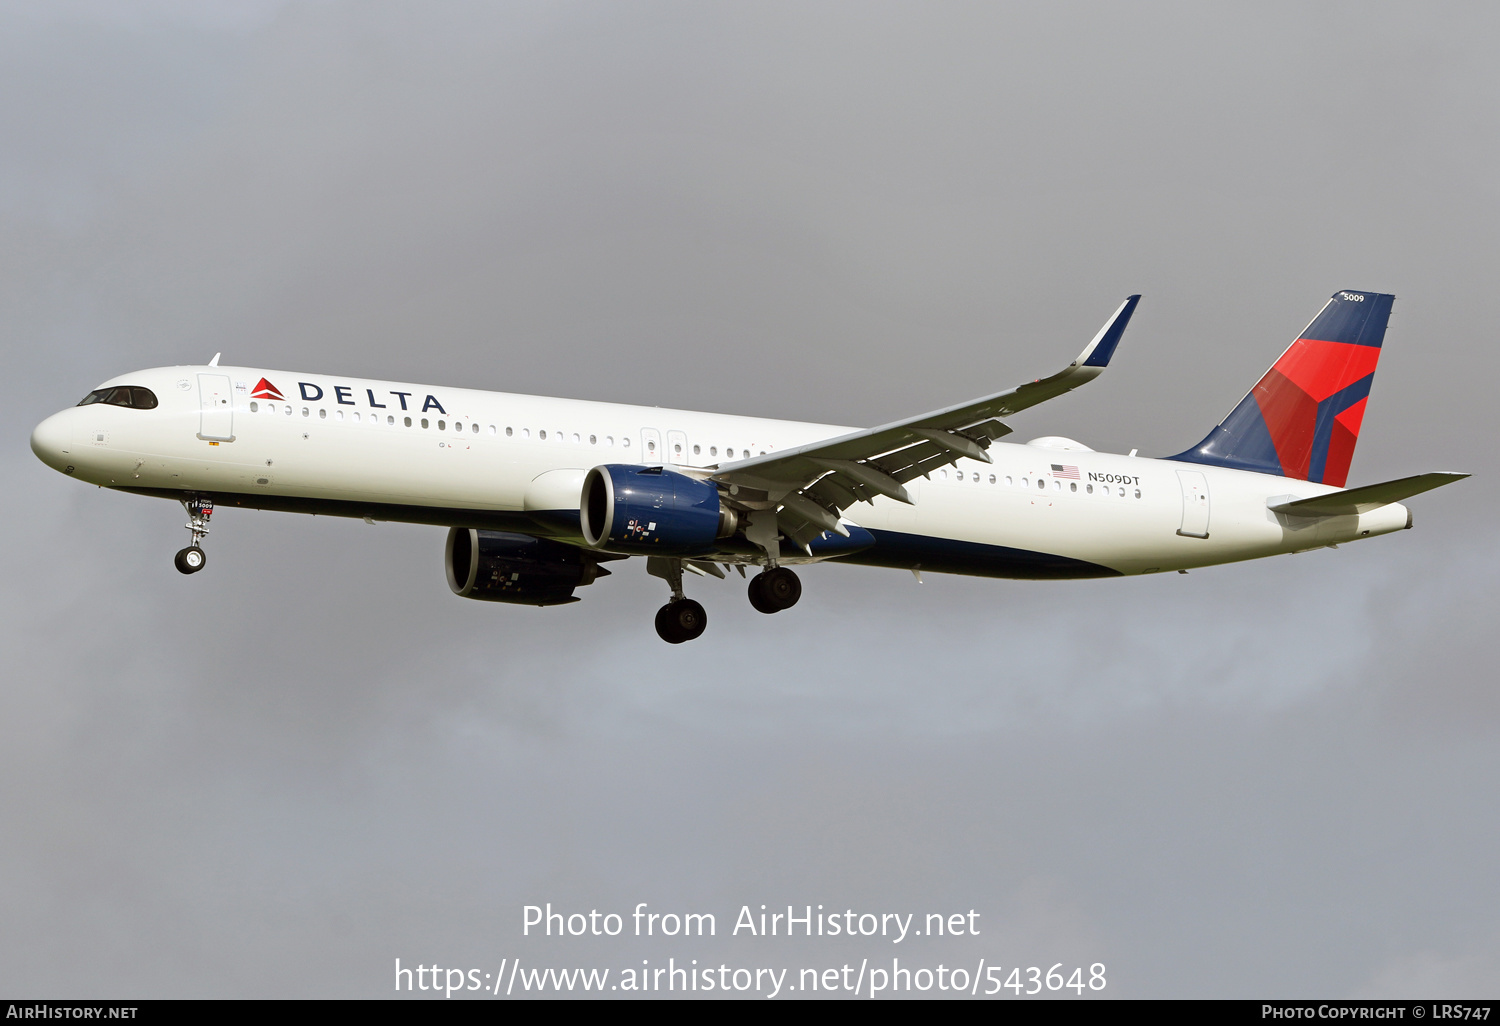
{"x": 1010, "y": 481}
{"x": 374, "y": 418}
{"x": 473, "y": 427}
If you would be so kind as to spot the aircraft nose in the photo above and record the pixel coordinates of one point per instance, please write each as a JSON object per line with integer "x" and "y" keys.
{"x": 51, "y": 440}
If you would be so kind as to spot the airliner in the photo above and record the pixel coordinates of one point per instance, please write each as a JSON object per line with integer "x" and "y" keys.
{"x": 538, "y": 493}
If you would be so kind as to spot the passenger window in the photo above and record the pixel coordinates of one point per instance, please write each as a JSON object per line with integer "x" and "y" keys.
{"x": 713, "y": 450}
{"x": 442, "y": 425}
{"x": 407, "y": 421}
{"x": 322, "y": 414}
{"x": 288, "y": 409}
{"x": 424, "y": 423}
{"x": 625, "y": 441}
{"x": 542, "y": 434}
{"x": 575, "y": 437}
{"x": 593, "y": 439}
{"x": 1041, "y": 485}
{"x": 1072, "y": 486}
{"x": 729, "y": 453}
{"x": 306, "y": 412}
{"x": 391, "y": 420}
{"x": 254, "y": 407}
{"x": 1137, "y": 493}
{"x": 992, "y": 479}
{"x": 1122, "y": 493}
{"x": 1089, "y": 489}
{"x": 475, "y": 426}
{"x": 697, "y": 450}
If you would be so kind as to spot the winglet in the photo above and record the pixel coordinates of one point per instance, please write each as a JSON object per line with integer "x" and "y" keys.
{"x": 215, "y": 361}
{"x": 1098, "y": 352}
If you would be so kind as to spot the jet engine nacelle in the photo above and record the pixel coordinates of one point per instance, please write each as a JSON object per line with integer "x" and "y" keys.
{"x": 652, "y": 511}
{"x": 497, "y": 566}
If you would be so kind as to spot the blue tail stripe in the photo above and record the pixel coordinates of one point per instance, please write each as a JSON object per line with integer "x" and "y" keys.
{"x": 1328, "y": 409}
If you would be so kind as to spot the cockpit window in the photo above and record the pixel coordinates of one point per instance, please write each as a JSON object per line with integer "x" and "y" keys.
{"x": 122, "y": 395}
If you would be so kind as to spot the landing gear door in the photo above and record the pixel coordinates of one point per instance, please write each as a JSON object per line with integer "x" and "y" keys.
{"x": 1194, "y": 504}
{"x": 651, "y": 446}
{"x": 677, "y": 451}
{"x": 215, "y": 408}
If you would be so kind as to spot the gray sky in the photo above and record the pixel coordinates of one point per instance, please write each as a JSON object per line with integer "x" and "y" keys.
{"x": 275, "y": 778}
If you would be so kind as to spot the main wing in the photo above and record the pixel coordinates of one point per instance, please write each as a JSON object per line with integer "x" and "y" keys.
{"x": 808, "y": 487}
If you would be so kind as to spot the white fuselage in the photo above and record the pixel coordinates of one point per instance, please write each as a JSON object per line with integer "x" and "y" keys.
{"x": 441, "y": 455}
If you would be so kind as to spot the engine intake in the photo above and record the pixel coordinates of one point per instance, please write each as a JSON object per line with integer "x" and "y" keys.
{"x": 497, "y": 566}
{"x": 652, "y": 511}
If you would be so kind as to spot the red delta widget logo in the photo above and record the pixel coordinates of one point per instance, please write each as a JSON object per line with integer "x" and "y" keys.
{"x": 265, "y": 390}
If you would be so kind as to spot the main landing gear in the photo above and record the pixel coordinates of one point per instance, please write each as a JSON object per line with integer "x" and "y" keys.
{"x": 775, "y": 590}
{"x": 681, "y": 619}
{"x": 192, "y": 559}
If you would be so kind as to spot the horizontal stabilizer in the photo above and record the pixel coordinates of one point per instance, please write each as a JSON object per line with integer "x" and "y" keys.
{"x": 1353, "y": 501}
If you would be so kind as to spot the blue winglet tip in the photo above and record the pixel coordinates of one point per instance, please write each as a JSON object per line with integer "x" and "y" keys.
{"x": 1109, "y": 338}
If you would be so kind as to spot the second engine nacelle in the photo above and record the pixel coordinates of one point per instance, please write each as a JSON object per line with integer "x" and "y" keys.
{"x": 652, "y": 511}
{"x": 498, "y": 566}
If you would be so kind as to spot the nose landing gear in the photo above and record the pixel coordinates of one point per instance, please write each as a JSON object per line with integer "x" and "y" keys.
{"x": 775, "y": 590}
{"x": 192, "y": 559}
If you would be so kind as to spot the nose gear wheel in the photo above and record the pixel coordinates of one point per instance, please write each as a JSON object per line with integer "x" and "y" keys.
{"x": 190, "y": 560}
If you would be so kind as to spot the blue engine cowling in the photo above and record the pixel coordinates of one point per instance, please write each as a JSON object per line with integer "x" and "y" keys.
{"x": 652, "y": 511}
{"x": 497, "y": 566}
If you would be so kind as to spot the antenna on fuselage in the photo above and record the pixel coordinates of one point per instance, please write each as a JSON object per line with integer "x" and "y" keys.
{"x": 215, "y": 361}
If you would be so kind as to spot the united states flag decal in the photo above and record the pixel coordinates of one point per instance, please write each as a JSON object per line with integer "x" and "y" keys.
{"x": 1071, "y": 473}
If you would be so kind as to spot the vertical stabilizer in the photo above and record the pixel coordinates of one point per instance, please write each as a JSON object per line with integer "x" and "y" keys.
{"x": 1302, "y": 418}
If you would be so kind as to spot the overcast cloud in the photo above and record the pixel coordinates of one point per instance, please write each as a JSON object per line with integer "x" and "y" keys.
{"x": 273, "y": 779}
